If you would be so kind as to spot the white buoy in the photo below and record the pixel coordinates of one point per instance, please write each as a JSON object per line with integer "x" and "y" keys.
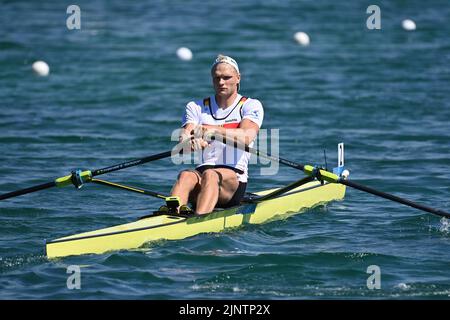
{"x": 41, "y": 68}
{"x": 184, "y": 54}
{"x": 408, "y": 25}
{"x": 403, "y": 286}
{"x": 345, "y": 174}
{"x": 302, "y": 38}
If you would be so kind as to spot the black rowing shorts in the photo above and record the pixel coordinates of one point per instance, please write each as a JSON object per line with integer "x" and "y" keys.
{"x": 240, "y": 191}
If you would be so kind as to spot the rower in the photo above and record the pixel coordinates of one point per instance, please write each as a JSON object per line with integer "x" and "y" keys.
{"x": 221, "y": 178}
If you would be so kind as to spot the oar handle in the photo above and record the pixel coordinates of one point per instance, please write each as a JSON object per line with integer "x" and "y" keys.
{"x": 395, "y": 198}
{"x": 27, "y": 190}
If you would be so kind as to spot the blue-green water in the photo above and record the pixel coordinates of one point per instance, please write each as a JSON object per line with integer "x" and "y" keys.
{"x": 117, "y": 90}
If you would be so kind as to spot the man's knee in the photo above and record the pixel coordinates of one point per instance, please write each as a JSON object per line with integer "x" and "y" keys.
{"x": 188, "y": 175}
{"x": 211, "y": 175}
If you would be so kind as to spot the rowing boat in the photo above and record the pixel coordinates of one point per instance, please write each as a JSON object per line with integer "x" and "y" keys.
{"x": 175, "y": 227}
{"x": 318, "y": 187}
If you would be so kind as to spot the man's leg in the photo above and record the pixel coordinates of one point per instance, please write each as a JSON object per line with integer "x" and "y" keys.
{"x": 187, "y": 182}
{"x": 217, "y": 187}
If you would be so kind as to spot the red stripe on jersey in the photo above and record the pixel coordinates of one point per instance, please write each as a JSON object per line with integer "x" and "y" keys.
{"x": 231, "y": 125}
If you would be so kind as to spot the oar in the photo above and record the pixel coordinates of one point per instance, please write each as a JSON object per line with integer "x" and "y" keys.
{"x": 85, "y": 176}
{"x": 395, "y": 198}
{"x": 328, "y": 176}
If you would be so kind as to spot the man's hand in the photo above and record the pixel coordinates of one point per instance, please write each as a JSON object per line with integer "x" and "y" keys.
{"x": 193, "y": 136}
{"x": 184, "y": 136}
{"x": 203, "y": 132}
{"x": 198, "y": 144}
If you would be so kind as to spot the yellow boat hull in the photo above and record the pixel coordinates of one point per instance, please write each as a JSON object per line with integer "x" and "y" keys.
{"x": 135, "y": 234}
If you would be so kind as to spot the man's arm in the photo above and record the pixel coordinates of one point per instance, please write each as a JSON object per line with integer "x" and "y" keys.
{"x": 245, "y": 134}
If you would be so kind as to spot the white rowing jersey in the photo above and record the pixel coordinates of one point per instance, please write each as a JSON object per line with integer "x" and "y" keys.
{"x": 208, "y": 112}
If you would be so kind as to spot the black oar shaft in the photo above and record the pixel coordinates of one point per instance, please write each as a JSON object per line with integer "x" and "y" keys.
{"x": 277, "y": 159}
{"x": 27, "y": 190}
{"x": 131, "y": 163}
{"x": 97, "y": 172}
{"x": 351, "y": 184}
{"x": 256, "y": 152}
{"x": 395, "y": 198}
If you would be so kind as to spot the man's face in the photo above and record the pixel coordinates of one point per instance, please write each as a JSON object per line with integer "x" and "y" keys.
{"x": 225, "y": 79}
